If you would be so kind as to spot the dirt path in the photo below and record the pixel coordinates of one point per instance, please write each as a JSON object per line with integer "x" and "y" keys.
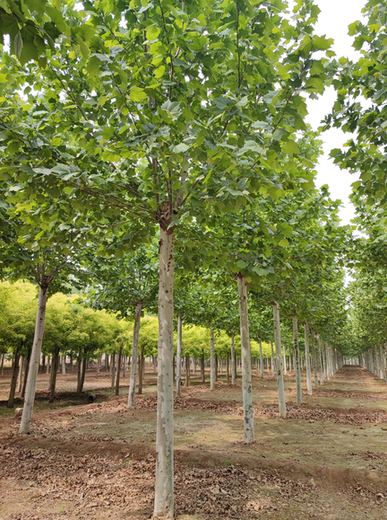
{"x": 327, "y": 460}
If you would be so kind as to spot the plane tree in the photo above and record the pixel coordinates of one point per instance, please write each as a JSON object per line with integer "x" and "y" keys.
{"x": 163, "y": 114}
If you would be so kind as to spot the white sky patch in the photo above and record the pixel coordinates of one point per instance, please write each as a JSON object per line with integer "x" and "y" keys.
{"x": 333, "y": 22}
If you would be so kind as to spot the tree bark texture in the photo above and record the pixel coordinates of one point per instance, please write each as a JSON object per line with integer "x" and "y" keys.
{"x": 178, "y": 353}
{"x": 307, "y": 360}
{"x": 133, "y": 366}
{"x": 247, "y": 389}
{"x": 297, "y": 360}
{"x": 25, "y": 424}
{"x": 212, "y": 360}
{"x": 164, "y": 484}
{"x": 278, "y": 351}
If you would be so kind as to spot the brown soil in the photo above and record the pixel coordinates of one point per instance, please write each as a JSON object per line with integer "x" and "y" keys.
{"x": 327, "y": 460}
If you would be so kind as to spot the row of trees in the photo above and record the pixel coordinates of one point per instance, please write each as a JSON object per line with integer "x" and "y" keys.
{"x": 183, "y": 126}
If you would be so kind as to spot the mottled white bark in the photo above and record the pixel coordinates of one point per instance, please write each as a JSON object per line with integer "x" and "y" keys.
{"x": 164, "y": 502}
{"x": 212, "y": 360}
{"x": 320, "y": 357}
{"x": 307, "y": 360}
{"x": 297, "y": 360}
{"x": 247, "y": 390}
{"x": 178, "y": 353}
{"x": 273, "y": 371}
{"x": 28, "y": 407}
{"x": 133, "y": 367}
{"x": 260, "y": 357}
{"x": 233, "y": 367}
{"x": 280, "y": 376}
{"x": 314, "y": 360}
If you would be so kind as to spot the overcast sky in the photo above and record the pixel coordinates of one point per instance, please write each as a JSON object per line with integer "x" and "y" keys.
{"x": 333, "y": 22}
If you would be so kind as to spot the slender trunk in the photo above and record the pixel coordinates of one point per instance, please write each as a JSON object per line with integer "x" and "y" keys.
{"x": 25, "y": 424}
{"x": 247, "y": 389}
{"x": 54, "y": 371}
{"x": 216, "y": 368}
{"x": 382, "y": 362}
{"x": 261, "y": 357}
{"x": 141, "y": 370}
{"x": 307, "y": 360}
{"x": 280, "y": 376}
{"x": 187, "y": 370}
{"x": 178, "y": 353}
{"x": 98, "y": 364}
{"x": 119, "y": 370}
{"x": 2, "y": 363}
{"x": 297, "y": 360}
{"x": 273, "y": 370}
{"x": 202, "y": 367}
{"x": 133, "y": 366}
{"x": 23, "y": 390}
{"x": 314, "y": 360}
{"x": 79, "y": 369}
{"x": 233, "y": 361}
{"x": 83, "y": 373}
{"x": 284, "y": 365}
{"x": 48, "y": 364}
{"x": 113, "y": 369}
{"x": 320, "y": 356}
{"x": 228, "y": 368}
{"x": 212, "y": 361}
{"x": 15, "y": 373}
{"x": 20, "y": 376}
{"x": 164, "y": 501}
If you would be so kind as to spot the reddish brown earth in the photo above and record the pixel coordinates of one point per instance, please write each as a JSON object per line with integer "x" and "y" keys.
{"x": 327, "y": 460}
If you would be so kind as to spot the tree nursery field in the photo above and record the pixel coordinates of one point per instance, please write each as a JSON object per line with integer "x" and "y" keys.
{"x": 326, "y": 460}
{"x": 187, "y": 327}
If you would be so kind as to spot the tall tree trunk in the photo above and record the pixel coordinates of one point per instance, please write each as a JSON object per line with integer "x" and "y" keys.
{"x": 247, "y": 388}
{"x": 54, "y": 371}
{"x": 178, "y": 353}
{"x": 314, "y": 360}
{"x": 307, "y": 360}
{"x": 261, "y": 358}
{"x": 82, "y": 375}
{"x": 216, "y": 368}
{"x": 25, "y": 424}
{"x": 2, "y": 363}
{"x": 23, "y": 390}
{"x": 64, "y": 364}
{"x": 233, "y": 361}
{"x": 320, "y": 356}
{"x": 142, "y": 370}
{"x": 297, "y": 360}
{"x": 133, "y": 366}
{"x": 202, "y": 367}
{"x": 113, "y": 369}
{"x": 79, "y": 370}
{"x": 119, "y": 370}
{"x": 22, "y": 362}
{"x": 278, "y": 350}
{"x": 228, "y": 368}
{"x": 164, "y": 500}
{"x": 187, "y": 370}
{"x": 212, "y": 360}
{"x": 284, "y": 365}
{"x": 273, "y": 370}
{"x": 15, "y": 373}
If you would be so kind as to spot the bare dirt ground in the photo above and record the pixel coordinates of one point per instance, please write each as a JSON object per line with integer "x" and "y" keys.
{"x": 327, "y": 460}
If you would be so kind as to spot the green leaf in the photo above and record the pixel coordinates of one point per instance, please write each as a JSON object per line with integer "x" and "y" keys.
{"x": 291, "y": 148}
{"x": 137, "y": 94}
{"x": 242, "y": 264}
